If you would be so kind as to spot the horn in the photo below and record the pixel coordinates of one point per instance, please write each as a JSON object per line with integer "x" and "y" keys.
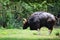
{"x": 24, "y": 20}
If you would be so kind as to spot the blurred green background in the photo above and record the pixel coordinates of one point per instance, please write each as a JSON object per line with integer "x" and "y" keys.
{"x": 12, "y": 12}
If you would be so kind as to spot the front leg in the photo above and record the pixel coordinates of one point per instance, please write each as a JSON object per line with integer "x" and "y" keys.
{"x": 38, "y": 31}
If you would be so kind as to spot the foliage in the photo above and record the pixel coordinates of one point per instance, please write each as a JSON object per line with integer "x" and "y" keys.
{"x": 13, "y": 11}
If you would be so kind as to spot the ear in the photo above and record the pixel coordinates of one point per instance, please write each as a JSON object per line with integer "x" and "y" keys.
{"x": 24, "y": 20}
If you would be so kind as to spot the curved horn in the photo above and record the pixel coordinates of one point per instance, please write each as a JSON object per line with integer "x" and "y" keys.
{"x": 24, "y": 20}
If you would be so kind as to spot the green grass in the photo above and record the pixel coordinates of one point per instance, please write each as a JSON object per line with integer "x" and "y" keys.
{"x": 17, "y": 34}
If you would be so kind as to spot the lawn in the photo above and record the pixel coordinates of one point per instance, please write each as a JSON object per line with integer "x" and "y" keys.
{"x": 17, "y": 34}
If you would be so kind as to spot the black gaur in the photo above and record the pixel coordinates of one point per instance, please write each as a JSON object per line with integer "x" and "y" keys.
{"x": 40, "y": 19}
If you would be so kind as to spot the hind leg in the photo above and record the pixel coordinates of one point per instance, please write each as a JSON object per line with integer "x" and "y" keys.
{"x": 50, "y": 30}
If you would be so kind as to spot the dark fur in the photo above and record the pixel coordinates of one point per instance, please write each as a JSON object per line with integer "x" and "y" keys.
{"x": 40, "y": 19}
{"x": 4, "y": 24}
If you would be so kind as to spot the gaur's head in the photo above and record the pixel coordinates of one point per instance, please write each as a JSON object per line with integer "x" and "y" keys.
{"x": 25, "y": 23}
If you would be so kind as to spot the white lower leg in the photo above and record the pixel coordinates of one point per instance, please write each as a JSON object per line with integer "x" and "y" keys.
{"x": 50, "y": 32}
{"x": 38, "y": 31}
